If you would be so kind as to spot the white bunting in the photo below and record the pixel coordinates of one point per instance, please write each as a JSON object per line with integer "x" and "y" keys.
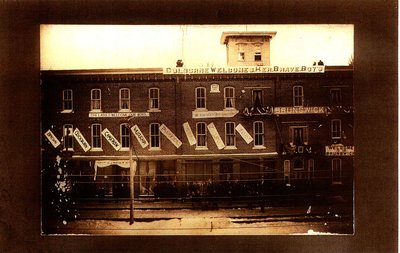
{"x": 111, "y": 139}
{"x": 139, "y": 136}
{"x": 243, "y": 132}
{"x": 189, "y": 133}
{"x": 81, "y": 140}
{"x": 215, "y": 135}
{"x": 52, "y": 138}
{"x": 170, "y": 136}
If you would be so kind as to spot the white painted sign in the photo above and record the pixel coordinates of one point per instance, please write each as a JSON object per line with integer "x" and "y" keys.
{"x": 244, "y": 70}
{"x": 81, "y": 140}
{"x": 117, "y": 114}
{"x": 170, "y": 136}
{"x": 111, "y": 139}
{"x": 52, "y": 138}
{"x": 339, "y": 150}
{"x": 243, "y": 132}
{"x": 214, "y": 88}
{"x": 300, "y": 110}
{"x": 139, "y": 136}
{"x": 189, "y": 133}
{"x": 214, "y": 114}
{"x": 215, "y": 135}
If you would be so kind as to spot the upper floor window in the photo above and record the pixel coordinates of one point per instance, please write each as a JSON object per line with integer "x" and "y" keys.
{"x": 336, "y": 129}
{"x": 67, "y": 101}
{"x": 154, "y": 99}
{"x": 95, "y": 100}
{"x": 201, "y": 135}
{"x": 257, "y": 56}
{"x": 298, "y": 95}
{"x": 336, "y": 96}
{"x": 154, "y": 136}
{"x": 68, "y": 137}
{"x": 96, "y": 136}
{"x": 229, "y": 97}
{"x": 124, "y": 99}
{"x": 258, "y": 130}
{"x": 125, "y": 136}
{"x": 200, "y": 97}
{"x": 257, "y": 98}
{"x": 230, "y": 135}
{"x": 299, "y": 135}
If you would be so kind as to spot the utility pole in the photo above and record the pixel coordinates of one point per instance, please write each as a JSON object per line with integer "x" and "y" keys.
{"x": 132, "y": 171}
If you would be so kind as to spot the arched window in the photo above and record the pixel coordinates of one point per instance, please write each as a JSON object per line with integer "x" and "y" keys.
{"x": 124, "y": 99}
{"x": 229, "y": 97}
{"x": 154, "y": 99}
{"x": 200, "y": 97}
{"x": 155, "y": 135}
{"x": 201, "y": 135}
{"x": 96, "y": 136}
{"x": 95, "y": 100}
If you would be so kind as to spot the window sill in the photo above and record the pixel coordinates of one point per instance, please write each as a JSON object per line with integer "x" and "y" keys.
{"x": 123, "y": 149}
{"x": 230, "y": 109}
{"x": 230, "y": 147}
{"x": 201, "y": 110}
{"x": 96, "y": 110}
{"x": 337, "y": 183}
{"x": 67, "y": 111}
{"x": 69, "y": 150}
{"x": 124, "y": 110}
{"x": 154, "y": 149}
{"x": 153, "y": 110}
{"x": 96, "y": 149}
{"x": 259, "y": 147}
{"x": 201, "y": 148}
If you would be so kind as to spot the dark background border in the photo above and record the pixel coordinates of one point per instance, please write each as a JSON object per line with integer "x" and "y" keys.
{"x": 375, "y": 94}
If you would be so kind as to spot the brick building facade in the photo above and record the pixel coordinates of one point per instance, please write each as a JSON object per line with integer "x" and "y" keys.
{"x": 248, "y": 125}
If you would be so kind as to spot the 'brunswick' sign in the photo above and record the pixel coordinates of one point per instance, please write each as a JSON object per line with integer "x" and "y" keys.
{"x": 244, "y": 70}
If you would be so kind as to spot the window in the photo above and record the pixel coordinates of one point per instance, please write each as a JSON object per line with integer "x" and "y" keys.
{"x": 298, "y": 164}
{"x": 298, "y": 95}
{"x": 230, "y": 136}
{"x": 154, "y": 99}
{"x": 96, "y": 136}
{"x": 336, "y": 170}
{"x": 125, "y": 136}
{"x": 257, "y": 56}
{"x": 257, "y": 98}
{"x": 154, "y": 136}
{"x": 229, "y": 97}
{"x": 241, "y": 49}
{"x": 299, "y": 135}
{"x": 336, "y": 96}
{"x": 67, "y": 101}
{"x": 68, "y": 137}
{"x": 225, "y": 170}
{"x": 336, "y": 129}
{"x": 124, "y": 99}
{"x": 258, "y": 133}
{"x": 201, "y": 135}
{"x": 200, "y": 97}
{"x": 310, "y": 169}
{"x": 95, "y": 100}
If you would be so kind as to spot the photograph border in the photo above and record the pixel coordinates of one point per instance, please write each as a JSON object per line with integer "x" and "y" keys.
{"x": 375, "y": 100}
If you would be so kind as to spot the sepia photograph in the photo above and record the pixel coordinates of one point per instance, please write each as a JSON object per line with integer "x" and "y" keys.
{"x": 197, "y": 129}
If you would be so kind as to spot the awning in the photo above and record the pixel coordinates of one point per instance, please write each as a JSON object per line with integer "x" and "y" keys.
{"x": 106, "y": 163}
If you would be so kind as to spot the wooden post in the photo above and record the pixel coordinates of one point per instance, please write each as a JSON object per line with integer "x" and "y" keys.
{"x": 132, "y": 171}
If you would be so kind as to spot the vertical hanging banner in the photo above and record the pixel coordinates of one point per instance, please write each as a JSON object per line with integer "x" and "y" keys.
{"x": 52, "y": 138}
{"x": 81, "y": 140}
{"x": 243, "y": 132}
{"x": 111, "y": 139}
{"x": 189, "y": 133}
{"x": 215, "y": 135}
{"x": 139, "y": 136}
{"x": 170, "y": 136}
